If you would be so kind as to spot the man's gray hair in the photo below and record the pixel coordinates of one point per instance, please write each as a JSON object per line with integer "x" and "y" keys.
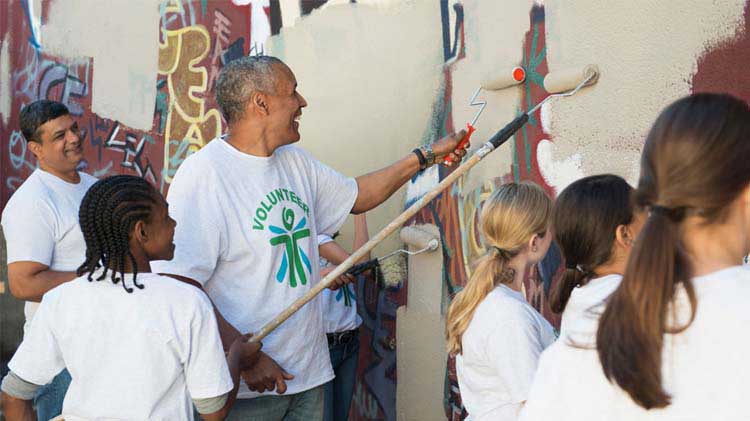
{"x": 239, "y": 79}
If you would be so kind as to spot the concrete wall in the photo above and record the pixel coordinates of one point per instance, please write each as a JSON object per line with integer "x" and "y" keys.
{"x": 381, "y": 76}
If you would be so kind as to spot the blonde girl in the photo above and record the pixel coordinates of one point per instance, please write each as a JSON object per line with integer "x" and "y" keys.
{"x": 494, "y": 333}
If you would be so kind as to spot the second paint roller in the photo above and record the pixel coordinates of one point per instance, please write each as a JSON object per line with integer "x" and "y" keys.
{"x": 506, "y": 79}
{"x": 569, "y": 83}
{"x": 415, "y": 237}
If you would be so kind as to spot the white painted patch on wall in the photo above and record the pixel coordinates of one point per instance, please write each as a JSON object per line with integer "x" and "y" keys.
{"x": 260, "y": 27}
{"x": 6, "y": 100}
{"x": 423, "y": 184}
{"x": 558, "y": 174}
{"x": 125, "y": 55}
{"x": 544, "y": 114}
{"x": 290, "y": 12}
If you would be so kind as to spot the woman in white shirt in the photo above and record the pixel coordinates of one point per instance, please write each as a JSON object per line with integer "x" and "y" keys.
{"x": 595, "y": 221}
{"x": 494, "y": 333}
{"x": 671, "y": 342}
{"x": 138, "y": 345}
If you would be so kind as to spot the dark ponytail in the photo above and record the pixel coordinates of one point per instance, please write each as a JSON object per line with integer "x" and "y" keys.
{"x": 694, "y": 163}
{"x": 585, "y": 219}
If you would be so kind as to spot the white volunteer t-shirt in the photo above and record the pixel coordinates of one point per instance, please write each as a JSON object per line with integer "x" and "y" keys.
{"x": 585, "y": 305}
{"x": 340, "y": 306}
{"x": 40, "y": 224}
{"x": 131, "y": 356}
{"x": 247, "y": 230}
{"x": 500, "y": 351}
{"x": 704, "y": 368}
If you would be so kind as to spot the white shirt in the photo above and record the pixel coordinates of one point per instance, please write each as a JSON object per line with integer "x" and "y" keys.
{"x": 40, "y": 224}
{"x": 247, "y": 230}
{"x": 704, "y": 368}
{"x": 131, "y": 356}
{"x": 500, "y": 351}
{"x": 340, "y": 306}
{"x": 585, "y": 305}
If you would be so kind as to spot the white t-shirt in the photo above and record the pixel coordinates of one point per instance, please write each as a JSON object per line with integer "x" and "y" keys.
{"x": 40, "y": 224}
{"x": 340, "y": 306}
{"x": 704, "y": 368}
{"x": 247, "y": 230}
{"x": 500, "y": 351}
{"x": 585, "y": 305}
{"x": 131, "y": 356}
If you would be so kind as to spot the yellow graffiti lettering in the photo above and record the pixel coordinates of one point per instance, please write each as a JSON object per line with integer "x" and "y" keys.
{"x": 187, "y": 119}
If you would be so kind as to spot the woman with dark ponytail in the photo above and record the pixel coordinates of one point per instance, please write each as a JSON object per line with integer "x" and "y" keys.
{"x": 494, "y": 333}
{"x": 138, "y": 345}
{"x": 671, "y": 343}
{"x": 596, "y": 221}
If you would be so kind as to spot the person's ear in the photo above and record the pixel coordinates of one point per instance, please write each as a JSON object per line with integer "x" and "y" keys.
{"x": 35, "y": 148}
{"x": 534, "y": 243}
{"x": 259, "y": 102}
{"x": 624, "y": 236}
{"x": 140, "y": 233}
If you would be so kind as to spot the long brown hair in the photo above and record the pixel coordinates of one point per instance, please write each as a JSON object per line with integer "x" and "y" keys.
{"x": 585, "y": 218}
{"x": 695, "y": 162}
{"x": 510, "y": 218}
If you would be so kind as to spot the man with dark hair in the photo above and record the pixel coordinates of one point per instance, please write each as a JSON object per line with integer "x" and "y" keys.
{"x": 249, "y": 208}
{"x": 40, "y": 222}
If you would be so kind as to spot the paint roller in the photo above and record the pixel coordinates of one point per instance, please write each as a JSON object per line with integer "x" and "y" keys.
{"x": 506, "y": 79}
{"x": 414, "y": 237}
{"x": 565, "y": 84}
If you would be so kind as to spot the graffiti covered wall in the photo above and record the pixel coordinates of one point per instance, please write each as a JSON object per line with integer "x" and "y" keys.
{"x": 381, "y": 77}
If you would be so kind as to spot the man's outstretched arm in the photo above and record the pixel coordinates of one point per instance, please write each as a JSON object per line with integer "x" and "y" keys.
{"x": 377, "y": 186}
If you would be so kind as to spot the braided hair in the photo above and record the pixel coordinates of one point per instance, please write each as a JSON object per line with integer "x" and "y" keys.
{"x": 108, "y": 214}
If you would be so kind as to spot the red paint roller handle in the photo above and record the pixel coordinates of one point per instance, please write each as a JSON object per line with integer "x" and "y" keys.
{"x": 462, "y": 144}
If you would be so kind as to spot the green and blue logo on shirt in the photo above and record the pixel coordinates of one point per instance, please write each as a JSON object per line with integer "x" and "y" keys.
{"x": 294, "y": 260}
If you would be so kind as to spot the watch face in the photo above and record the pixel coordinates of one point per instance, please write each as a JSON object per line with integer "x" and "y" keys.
{"x": 430, "y": 155}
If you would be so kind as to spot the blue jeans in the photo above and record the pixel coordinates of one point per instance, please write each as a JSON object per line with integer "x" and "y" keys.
{"x": 340, "y": 390}
{"x": 49, "y": 398}
{"x": 303, "y": 406}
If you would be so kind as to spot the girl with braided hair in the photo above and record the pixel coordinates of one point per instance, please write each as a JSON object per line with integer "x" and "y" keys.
{"x": 495, "y": 335}
{"x": 138, "y": 345}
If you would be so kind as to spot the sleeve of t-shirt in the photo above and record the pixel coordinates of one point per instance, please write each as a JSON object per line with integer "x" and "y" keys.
{"x": 322, "y": 239}
{"x": 39, "y": 359}
{"x": 206, "y": 371}
{"x": 520, "y": 336}
{"x": 335, "y": 195}
{"x": 197, "y": 236}
{"x": 29, "y": 230}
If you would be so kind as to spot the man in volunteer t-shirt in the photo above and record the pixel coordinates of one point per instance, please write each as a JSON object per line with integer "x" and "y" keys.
{"x": 250, "y": 207}
{"x": 40, "y": 222}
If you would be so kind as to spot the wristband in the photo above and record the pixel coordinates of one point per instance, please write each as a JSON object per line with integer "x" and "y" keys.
{"x": 420, "y": 157}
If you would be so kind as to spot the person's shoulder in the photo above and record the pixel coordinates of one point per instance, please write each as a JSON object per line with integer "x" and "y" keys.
{"x": 731, "y": 285}
{"x": 503, "y": 299}
{"x": 206, "y": 156}
{"x": 295, "y": 153}
{"x": 87, "y": 179}
{"x": 31, "y": 189}
{"x": 30, "y": 194}
{"x": 181, "y": 294}
{"x": 200, "y": 166}
{"x": 66, "y": 289}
